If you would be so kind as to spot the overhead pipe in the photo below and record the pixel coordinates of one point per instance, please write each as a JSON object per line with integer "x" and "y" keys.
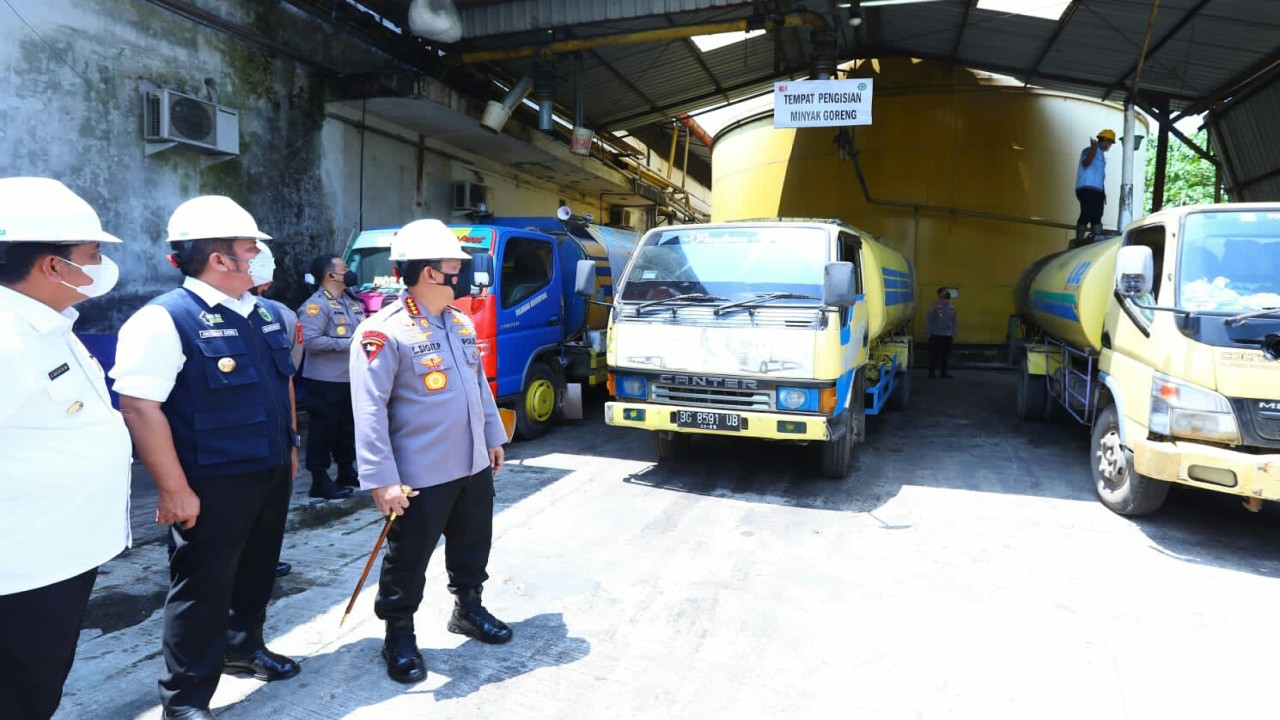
{"x": 802, "y": 18}
{"x": 497, "y": 113}
{"x": 544, "y": 93}
{"x": 698, "y": 131}
{"x": 1130, "y": 142}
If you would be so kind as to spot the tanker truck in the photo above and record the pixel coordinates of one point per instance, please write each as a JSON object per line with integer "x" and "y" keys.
{"x": 784, "y": 330}
{"x": 1165, "y": 340}
{"x": 539, "y": 340}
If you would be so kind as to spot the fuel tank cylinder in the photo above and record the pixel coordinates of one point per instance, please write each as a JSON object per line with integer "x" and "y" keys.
{"x": 1067, "y": 294}
{"x": 971, "y": 177}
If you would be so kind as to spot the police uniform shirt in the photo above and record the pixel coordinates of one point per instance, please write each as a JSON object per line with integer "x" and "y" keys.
{"x": 424, "y": 412}
{"x": 328, "y": 325}
{"x": 149, "y": 352}
{"x": 65, "y": 451}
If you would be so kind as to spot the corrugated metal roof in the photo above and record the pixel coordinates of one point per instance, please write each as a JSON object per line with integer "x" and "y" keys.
{"x": 1199, "y": 51}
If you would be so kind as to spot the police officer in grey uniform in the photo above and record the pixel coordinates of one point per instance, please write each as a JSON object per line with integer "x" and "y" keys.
{"x": 426, "y": 419}
{"x": 329, "y": 319}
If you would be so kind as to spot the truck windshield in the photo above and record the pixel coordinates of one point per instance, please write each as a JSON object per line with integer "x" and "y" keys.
{"x": 1230, "y": 261}
{"x": 732, "y": 262}
{"x": 372, "y": 266}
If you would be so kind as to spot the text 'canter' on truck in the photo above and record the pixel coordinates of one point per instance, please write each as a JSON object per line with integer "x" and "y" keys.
{"x": 1167, "y": 341}
{"x": 539, "y": 340}
{"x": 782, "y": 329}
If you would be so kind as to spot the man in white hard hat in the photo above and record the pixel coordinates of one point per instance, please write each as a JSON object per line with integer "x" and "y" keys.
{"x": 64, "y": 449}
{"x": 426, "y": 419}
{"x": 206, "y": 387}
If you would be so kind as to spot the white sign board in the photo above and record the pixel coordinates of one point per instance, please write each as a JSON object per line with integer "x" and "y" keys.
{"x": 821, "y": 103}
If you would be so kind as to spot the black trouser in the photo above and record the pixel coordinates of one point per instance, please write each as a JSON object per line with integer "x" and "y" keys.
{"x": 331, "y": 430}
{"x": 1091, "y": 203}
{"x": 38, "y": 633}
{"x": 463, "y": 511}
{"x": 221, "y": 573}
{"x": 939, "y": 352}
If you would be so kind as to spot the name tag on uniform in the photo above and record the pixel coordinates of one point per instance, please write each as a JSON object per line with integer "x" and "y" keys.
{"x": 59, "y": 371}
{"x": 271, "y": 328}
{"x": 229, "y": 332}
{"x": 424, "y": 348}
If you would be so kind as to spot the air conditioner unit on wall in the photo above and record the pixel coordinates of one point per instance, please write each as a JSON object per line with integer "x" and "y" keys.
{"x": 169, "y": 116}
{"x": 469, "y": 196}
{"x": 624, "y": 217}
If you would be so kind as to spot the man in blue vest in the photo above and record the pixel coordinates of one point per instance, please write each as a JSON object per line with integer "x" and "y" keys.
{"x": 205, "y": 383}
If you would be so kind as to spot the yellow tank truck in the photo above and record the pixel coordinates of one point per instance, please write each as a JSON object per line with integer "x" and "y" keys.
{"x": 1166, "y": 340}
{"x": 781, "y": 329}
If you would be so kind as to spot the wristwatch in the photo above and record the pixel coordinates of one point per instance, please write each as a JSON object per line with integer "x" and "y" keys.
{"x": 295, "y": 440}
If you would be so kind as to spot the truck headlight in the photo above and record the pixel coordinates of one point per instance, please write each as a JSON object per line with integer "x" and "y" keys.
{"x": 790, "y": 398}
{"x": 1180, "y": 409}
{"x": 632, "y": 387}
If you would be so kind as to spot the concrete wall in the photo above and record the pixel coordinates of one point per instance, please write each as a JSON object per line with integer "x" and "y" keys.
{"x": 72, "y": 73}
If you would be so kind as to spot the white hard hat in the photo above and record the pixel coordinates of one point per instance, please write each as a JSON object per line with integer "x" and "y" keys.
{"x": 210, "y": 217}
{"x": 35, "y": 209}
{"x": 426, "y": 240}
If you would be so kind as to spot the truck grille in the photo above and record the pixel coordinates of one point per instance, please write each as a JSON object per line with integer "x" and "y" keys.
{"x": 1266, "y": 422}
{"x": 713, "y": 397}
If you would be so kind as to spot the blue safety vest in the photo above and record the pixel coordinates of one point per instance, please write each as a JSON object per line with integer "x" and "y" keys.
{"x": 229, "y": 410}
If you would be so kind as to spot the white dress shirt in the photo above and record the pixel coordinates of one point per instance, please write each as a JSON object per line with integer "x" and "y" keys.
{"x": 65, "y": 452}
{"x": 149, "y": 352}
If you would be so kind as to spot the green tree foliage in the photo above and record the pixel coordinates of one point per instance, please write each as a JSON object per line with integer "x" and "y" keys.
{"x": 1188, "y": 178}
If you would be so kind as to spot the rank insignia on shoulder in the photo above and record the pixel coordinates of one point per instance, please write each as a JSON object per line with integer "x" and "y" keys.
{"x": 262, "y": 313}
{"x": 313, "y": 309}
{"x": 435, "y": 381}
{"x": 372, "y": 342}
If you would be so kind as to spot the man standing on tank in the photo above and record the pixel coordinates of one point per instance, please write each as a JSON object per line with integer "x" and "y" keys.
{"x": 1091, "y": 184}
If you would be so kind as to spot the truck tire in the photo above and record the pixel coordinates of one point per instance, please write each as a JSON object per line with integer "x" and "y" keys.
{"x": 902, "y": 393}
{"x": 1033, "y": 393}
{"x": 669, "y": 445}
{"x": 539, "y": 401}
{"x": 1122, "y": 490}
{"x": 836, "y": 453}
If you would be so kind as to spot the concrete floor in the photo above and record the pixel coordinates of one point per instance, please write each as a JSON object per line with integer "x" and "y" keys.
{"x": 964, "y": 571}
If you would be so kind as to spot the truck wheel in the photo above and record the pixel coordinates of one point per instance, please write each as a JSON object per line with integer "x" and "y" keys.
{"x": 1033, "y": 393}
{"x": 538, "y": 402}
{"x": 1121, "y": 489}
{"x": 836, "y": 453}
{"x": 902, "y": 393}
{"x": 669, "y": 445}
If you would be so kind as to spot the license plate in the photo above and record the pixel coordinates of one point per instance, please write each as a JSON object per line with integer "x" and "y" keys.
{"x": 726, "y": 422}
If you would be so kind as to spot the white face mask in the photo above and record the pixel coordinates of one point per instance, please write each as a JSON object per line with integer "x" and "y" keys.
{"x": 262, "y": 268}
{"x": 104, "y": 278}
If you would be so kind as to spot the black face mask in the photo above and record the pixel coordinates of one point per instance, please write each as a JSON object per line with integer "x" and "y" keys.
{"x": 460, "y": 281}
{"x": 349, "y": 278}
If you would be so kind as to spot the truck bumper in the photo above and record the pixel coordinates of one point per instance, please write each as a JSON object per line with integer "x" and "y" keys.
{"x": 1210, "y": 467}
{"x": 771, "y": 426}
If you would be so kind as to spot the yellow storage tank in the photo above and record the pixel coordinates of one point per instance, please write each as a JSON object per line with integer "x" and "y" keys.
{"x": 971, "y": 178}
{"x": 1067, "y": 294}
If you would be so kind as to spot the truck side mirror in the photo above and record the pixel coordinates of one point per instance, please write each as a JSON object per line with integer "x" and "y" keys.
{"x": 584, "y": 282}
{"x": 482, "y": 269}
{"x": 1135, "y": 270}
{"x": 839, "y": 287}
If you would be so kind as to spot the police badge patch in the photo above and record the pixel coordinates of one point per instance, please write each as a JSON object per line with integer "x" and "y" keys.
{"x": 372, "y": 341}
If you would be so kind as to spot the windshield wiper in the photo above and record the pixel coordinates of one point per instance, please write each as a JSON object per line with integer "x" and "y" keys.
{"x": 764, "y": 297}
{"x": 1245, "y": 316}
{"x": 687, "y": 297}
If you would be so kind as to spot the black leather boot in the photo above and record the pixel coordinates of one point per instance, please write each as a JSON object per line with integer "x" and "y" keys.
{"x": 323, "y": 487}
{"x": 471, "y": 619}
{"x": 400, "y": 650}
